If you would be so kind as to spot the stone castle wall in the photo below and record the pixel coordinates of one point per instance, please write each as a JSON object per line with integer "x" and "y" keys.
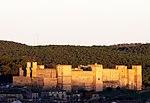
{"x": 82, "y": 79}
{"x": 46, "y": 73}
{"x": 27, "y": 81}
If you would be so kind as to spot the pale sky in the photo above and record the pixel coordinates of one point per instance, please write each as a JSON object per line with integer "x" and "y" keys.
{"x": 75, "y": 22}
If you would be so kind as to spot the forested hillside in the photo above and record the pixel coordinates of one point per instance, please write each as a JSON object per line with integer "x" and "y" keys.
{"x": 13, "y": 55}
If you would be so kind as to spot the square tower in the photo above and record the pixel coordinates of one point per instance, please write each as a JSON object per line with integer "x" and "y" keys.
{"x": 138, "y": 76}
{"x": 98, "y": 78}
{"x": 33, "y": 69}
{"x": 28, "y": 69}
{"x": 123, "y": 77}
{"x": 64, "y": 76}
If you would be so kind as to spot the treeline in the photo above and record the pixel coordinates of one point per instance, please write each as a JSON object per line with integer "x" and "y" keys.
{"x": 127, "y": 44}
{"x": 13, "y": 55}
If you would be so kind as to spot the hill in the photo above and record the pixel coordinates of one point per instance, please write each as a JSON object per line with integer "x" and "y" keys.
{"x": 13, "y": 55}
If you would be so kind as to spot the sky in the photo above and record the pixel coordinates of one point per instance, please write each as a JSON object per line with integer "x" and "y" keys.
{"x": 75, "y": 22}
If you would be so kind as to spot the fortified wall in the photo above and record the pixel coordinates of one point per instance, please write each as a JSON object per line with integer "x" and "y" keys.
{"x": 90, "y": 77}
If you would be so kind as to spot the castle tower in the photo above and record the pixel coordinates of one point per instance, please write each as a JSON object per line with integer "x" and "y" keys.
{"x": 123, "y": 78}
{"x": 64, "y": 76}
{"x": 59, "y": 76}
{"x": 34, "y": 67}
{"x": 98, "y": 79}
{"x": 28, "y": 69}
{"x": 131, "y": 80}
{"x": 138, "y": 77}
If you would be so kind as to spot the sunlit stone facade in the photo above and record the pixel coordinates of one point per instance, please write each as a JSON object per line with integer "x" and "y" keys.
{"x": 90, "y": 77}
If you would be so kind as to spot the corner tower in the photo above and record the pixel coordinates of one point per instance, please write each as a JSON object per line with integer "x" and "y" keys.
{"x": 138, "y": 76}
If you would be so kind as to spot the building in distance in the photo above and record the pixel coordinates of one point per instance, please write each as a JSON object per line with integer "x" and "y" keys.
{"x": 90, "y": 77}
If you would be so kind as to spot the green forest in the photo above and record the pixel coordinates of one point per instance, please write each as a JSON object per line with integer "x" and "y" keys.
{"x": 13, "y": 55}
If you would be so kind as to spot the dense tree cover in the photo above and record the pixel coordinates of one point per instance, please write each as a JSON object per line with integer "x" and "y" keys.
{"x": 13, "y": 55}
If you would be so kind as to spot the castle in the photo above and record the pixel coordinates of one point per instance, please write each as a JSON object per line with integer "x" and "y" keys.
{"x": 90, "y": 77}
